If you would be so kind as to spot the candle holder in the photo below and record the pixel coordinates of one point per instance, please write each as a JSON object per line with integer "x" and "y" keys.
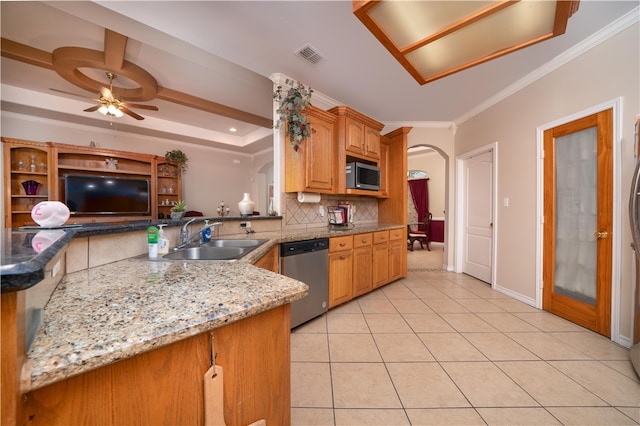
{"x": 222, "y": 209}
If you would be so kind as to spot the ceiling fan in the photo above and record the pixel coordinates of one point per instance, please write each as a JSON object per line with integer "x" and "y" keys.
{"x": 112, "y": 106}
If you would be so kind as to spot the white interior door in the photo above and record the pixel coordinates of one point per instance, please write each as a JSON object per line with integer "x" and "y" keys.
{"x": 477, "y": 258}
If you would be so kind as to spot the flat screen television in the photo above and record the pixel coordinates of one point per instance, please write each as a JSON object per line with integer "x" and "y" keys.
{"x": 108, "y": 195}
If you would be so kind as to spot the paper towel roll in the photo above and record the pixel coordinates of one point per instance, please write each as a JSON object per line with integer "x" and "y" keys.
{"x": 308, "y": 197}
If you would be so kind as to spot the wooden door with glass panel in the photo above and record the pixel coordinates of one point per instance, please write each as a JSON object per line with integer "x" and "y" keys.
{"x": 578, "y": 195}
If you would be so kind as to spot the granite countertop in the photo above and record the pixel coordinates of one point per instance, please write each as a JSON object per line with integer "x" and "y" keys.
{"x": 23, "y": 262}
{"x": 26, "y": 254}
{"x": 22, "y": 265}
{"x": 103, "y": 314}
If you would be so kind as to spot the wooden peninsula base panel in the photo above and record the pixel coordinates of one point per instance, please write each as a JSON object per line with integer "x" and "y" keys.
{"x": 165, "y": 385}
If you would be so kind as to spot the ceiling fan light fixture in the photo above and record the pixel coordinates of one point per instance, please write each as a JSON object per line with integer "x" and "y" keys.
{"x": 103, "y": 110}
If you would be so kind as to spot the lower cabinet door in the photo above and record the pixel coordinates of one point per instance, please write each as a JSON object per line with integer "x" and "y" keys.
{"x": 340, "y": 277}
{"x": 380, "y": 264}
{"x": 362, "y": 271}
{"x": 396, "y": 269}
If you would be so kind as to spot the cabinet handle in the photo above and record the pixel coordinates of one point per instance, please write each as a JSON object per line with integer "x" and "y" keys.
{"x": 342, "y": 244}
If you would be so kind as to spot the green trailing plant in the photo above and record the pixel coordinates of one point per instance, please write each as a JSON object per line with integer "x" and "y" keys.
{"x": 179, "y": 206}
{"x": 179, "y": 159}
{"x": 292, "y": 104}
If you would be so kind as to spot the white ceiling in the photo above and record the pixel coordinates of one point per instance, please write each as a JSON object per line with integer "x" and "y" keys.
{"x": 225, "y": 51}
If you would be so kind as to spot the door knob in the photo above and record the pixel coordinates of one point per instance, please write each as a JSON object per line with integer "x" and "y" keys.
{"x": 600, "y": 234}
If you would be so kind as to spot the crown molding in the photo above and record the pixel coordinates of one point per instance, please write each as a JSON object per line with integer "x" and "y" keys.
{"x": 392, "y": 125}
{"x": 587, "y": 44}
{"x": 318, "y": 99}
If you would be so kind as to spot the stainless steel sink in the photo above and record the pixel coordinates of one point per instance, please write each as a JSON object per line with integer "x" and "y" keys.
{"x": 226, "y": 249}
{"x": 235, "y": 243}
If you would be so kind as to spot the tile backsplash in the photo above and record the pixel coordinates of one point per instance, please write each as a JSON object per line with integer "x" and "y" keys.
{"x": 307, "y": 215}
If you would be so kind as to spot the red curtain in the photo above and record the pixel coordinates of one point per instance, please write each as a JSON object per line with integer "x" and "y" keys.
{"x": 420, "y": 194}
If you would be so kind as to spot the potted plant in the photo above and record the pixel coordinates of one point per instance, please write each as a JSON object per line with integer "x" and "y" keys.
{"x": 291, "y": 107}
{"x": 179, "y": 159}
{"x": 178, "y": 210}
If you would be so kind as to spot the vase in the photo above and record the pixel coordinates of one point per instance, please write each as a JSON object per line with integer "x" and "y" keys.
{"x": 177, "y": 215}
{"x": 50, "y": 213}
{"x": 30, "y": 187}
{"x": 246, "y": 205}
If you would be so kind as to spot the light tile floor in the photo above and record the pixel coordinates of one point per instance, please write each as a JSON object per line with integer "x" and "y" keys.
{"x": 443, "y": 348}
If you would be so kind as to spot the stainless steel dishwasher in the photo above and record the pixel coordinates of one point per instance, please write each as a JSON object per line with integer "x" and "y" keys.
{"x": 307, "y": 261}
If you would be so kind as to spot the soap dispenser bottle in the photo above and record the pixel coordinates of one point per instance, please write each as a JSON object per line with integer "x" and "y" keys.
{"x": 206, "y": 232}
{"x": 163, "y": 241}
{"x": 152, "y": 241}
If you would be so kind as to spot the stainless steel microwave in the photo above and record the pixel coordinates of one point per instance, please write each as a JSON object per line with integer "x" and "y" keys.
{"x": 363, "y": 176}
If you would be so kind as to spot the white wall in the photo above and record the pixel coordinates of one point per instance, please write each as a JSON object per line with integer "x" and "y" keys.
{"x": 605, "y": 72}
{"x": 213, "y": 175}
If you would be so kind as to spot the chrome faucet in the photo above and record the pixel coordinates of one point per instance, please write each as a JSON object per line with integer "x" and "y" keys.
{"x": 184, "y": 234}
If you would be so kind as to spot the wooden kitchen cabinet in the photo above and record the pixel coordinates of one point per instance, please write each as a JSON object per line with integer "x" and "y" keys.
{"x": 165, "y": 385}
{"x": 358, "y": 139}
{"x": 372, "y": 142}
{"x": 24, "y": 161}
{"x": 340, "y": 270}
{"x": 353, "y": 136}
{"x": 397, "y": 254}
{"x": 380, "y": 258}
{"x": 312, "y": 166}
{"x": 358, "y": 135}
{"x": 362, "y": 264}
{"x": 270, "y": 260}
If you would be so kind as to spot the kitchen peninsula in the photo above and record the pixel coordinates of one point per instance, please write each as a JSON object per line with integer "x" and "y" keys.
{"x": 129, "y": 341}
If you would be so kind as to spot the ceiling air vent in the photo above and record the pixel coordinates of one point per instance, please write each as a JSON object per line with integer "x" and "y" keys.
{"x": 310, "y": 54}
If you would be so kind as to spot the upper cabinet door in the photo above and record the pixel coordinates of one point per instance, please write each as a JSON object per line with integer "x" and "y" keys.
{"x": 319, "y": 155}
{"x": 312, "y": 166}
{"x": 372, "y": 143}
{"x": 354, "y": 138}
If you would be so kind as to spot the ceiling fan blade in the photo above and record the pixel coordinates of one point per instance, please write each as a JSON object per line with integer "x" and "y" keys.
{"x": 141, "y": 106}
{"x": 93, "y": 108}
{"x": 131, "y": 113}
{"x": 68, "y": 93}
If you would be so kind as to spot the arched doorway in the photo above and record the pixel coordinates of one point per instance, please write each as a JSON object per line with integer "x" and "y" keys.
{"x": 435, "y": 162}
